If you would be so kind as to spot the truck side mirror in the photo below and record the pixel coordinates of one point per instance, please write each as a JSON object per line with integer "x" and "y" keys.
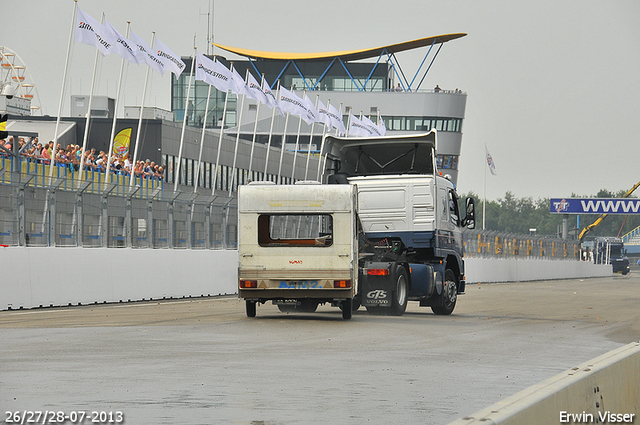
{"x": 470, "y": 219}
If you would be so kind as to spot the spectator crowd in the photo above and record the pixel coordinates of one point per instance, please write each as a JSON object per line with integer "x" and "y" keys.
{"x": 71, "y": 157}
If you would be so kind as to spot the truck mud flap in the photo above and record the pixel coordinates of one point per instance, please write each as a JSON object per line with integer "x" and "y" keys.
{"x": 377, "y": 288}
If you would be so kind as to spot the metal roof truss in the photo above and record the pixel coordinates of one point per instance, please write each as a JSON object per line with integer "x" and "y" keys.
{"x": 391, "y": 58}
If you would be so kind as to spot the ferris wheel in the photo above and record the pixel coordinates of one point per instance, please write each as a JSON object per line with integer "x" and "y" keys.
{"x": 14, "y": 71}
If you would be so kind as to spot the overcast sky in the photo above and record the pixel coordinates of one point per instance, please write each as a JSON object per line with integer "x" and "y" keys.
{"x": 553, "y": 85}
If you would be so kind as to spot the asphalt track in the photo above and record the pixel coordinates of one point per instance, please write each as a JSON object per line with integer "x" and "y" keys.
{"x": 202, "y": 361}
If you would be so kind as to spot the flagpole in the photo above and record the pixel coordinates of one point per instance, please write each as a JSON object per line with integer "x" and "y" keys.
{"x": 306, "y": 168}
{"x": 224, "y": 113}
{"x": 273, "y": 117}
{"x": 144, "y": 92}
{"x": 113, "y": 126}
{"x": 324, "y": 160}
{"x": 295, "y": 152}
{"x": 284, "y": 137}
{"x": 255, "y": 129}
{"x": 235, "y": 153}
{"x": 86, "y": 125}
{"x": 64, "y": 83}
{"x": 204, "y": 125}
{"x": 184, "y": 120}
{"x": 484, "y": 191}
{"x": 324, "y": 133}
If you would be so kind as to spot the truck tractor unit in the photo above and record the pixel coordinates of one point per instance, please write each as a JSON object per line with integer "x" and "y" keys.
{"x": 382, "y": 229}
{"x": 608, "y": 250}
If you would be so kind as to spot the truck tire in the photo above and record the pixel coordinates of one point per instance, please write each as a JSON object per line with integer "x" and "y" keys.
{"x": 401, "y": 290}
{"x": 251, "y": 308}
{"x": 449, "y": 295}
{"x": 347, "y": 308}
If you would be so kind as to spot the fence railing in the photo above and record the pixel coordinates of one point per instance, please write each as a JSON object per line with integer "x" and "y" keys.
{"x": 69, "y": 211}
{"x": 492, "y": 244}
{"x": 112, "y": 215}
{"x": 633, "y": 237}
{"x": 38, "y": 174}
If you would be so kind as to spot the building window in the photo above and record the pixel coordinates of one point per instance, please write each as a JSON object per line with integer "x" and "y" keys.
{"x": 422, "y": 124}
{"x": 447, "y": 162}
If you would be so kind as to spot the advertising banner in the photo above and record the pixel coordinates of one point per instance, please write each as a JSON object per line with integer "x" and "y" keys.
{"x": 595, "y": 206}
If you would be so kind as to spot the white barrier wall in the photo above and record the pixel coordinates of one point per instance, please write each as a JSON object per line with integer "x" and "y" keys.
{"x": 481, "y": 270}
{"x": 603, "y": 390}
{"x": 33, "y": 277}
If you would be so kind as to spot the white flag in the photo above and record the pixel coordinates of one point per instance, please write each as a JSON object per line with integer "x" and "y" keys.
{"x": 290, "y": 102}
{"x": 312, "y": 114}
{"x": 172, "y": 62}
{"x": 336, "y": 119}
{"x": 323, "y": 115}
{"x": 357, "y": 127}
{"x": 381, "y": 127}
{"x": 254, "y": 91}
{"x": 145, "y": 54}
{"x": 272, "y": 101}
{"x": 490, "y": 163}
{"x": 239, "y": 86}
{"x": 91, "y": 32}
{"x": 123, "y": 47}
{"x": 213, "y": 73}
{"x": 372, "y": 128}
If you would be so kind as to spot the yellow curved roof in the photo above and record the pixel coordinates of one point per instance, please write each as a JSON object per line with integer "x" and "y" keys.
{"x": 346, "y": 55}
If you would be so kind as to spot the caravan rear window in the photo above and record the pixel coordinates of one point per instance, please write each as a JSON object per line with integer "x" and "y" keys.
{"x": 295, "y": 230}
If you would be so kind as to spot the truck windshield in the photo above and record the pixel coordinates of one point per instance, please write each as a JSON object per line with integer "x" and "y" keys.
{"x": 295, "y": 230}
{"x": 377, "y": 159}
{"x": 616, "y": 250}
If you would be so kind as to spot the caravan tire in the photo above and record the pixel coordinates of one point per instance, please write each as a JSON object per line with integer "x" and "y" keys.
{"x": 251, "y": 308}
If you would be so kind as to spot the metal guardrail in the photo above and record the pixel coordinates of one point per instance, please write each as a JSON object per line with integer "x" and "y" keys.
{"x": 633, "y": 237}
{"x": 73, "y": 213}
{"x": 39, "y": 175}
{"x": 492, "y": 244}
{"x": 94, "y": 213}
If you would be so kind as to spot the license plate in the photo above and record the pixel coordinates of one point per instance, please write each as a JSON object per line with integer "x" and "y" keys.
{"x": 300, "y": 284}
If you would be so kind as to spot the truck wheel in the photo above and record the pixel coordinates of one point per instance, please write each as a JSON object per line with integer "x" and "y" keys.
{"x": 449, "y": 295}
{"x": 251, "y": 308}
{"x": 347, "y": 308}
{"x": 399, "y": 297}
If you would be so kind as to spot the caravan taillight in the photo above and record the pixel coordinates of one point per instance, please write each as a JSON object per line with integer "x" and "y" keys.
{"x": 248, "y": 284}
{"x": 342, "y": 283}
